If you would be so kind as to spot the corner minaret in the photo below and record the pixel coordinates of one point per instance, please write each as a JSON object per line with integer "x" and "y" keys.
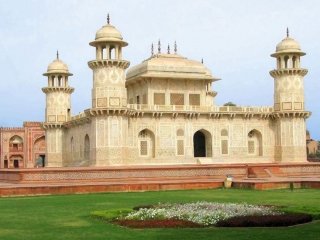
{"x": 58, "y": 110}
{"x": 289, "y": 110}
{"x": 108, "y": 69}
{"x": 109, "y": 113}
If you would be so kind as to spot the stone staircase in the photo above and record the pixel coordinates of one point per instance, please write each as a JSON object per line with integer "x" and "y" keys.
{"x": 265, "y": 172}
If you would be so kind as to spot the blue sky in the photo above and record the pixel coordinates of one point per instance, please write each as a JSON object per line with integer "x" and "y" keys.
{"x": 234, "y": 38}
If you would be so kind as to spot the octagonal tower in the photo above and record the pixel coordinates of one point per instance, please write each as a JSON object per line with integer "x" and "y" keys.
{"x": 109, "y": 113}
{"x": 108, "y": 69}
{"x": 58, "y": 110}
{"x": 289, "y": 110}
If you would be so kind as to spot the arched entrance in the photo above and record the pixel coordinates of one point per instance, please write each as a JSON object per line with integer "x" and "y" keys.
{"x": 199, "y": 144}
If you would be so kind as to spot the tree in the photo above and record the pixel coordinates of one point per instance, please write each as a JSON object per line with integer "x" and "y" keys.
{"x": 229, "y": 104}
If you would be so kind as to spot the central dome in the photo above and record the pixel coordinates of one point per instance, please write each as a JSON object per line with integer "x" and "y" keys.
{"x": 169, "y": 66}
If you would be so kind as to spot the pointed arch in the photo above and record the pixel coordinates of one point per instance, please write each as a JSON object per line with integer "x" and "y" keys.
{"x": 40, "y": 144}
{"x": 224, "y": 142}
{"x": 255, "y": 146}
{"x": 16, "y": 143}
{"x": 180, "y": 132}
{"x": 72, "y": 147}
{"x": 146, "y": 140}
{"x": 60, "y": 81}
{"x": 294, "y": 61}
{"x": 16, "y": 149}
{"x": 286, "y": 61}
{"x": 279, "y": 63}
{"x": 202, "y": 143}
{"x": 86, "y": 147}
{"x": 180, "y": 142}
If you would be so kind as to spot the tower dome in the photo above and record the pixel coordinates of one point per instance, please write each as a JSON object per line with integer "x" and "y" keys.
{"x": 108, "y": 33}
{"x": 57, "y": 66}
{"x": 288, "y": 45}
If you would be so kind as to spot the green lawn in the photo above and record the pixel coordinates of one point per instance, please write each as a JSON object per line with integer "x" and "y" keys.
{"x": 67, "y": 216}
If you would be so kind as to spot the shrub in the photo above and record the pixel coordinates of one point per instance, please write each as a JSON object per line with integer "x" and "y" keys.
{"x": 156, "y": 223}
{"x": 137, "y": 208}
{"x": 111, "y": 214}
{"x": 266, "y": 221}
{"x": 311, "y": 155}
{"x": 313, "y": 211}
{"x": 291, "y": 186}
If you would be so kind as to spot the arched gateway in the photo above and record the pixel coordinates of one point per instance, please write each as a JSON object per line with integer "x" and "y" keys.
{"x": 202, "y": 144}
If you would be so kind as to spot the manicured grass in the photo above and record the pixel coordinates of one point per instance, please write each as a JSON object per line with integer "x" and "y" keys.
{"x": 68, "y": 216}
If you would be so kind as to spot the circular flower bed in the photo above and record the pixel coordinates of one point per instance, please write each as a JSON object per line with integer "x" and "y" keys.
{"x": 201, "y": 214}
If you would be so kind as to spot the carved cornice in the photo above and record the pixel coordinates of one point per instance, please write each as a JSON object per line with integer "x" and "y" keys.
{"x": 133, "y": 113}
{"x": 57, "y": 89}
{"x": 212, "y": 93}
{"x": 52, "y": 125}
{"x": 108, "y": 63}
{"x": 93, "y": 112}
{"x": 297, "y": 114}
{"x": 77, "y": 122}
{"x": 288, "y": 71}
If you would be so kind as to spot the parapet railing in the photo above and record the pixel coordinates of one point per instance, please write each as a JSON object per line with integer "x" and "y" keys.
{"x": 185, "y": 108}
{"x": 221, "y": 109}
{"x": 80, "y": 115}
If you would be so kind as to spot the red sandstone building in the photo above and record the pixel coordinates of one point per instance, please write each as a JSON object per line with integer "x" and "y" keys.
{"x": 22, "y": 147}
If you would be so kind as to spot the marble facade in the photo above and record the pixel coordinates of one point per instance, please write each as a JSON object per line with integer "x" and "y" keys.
{"x": 162, "y": 111}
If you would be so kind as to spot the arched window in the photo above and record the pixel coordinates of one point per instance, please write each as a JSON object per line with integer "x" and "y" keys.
{"x": 53, "y": 81}
{"x": 16, "y": 144}
{"x": 224, "y": 133}
{"x": 60, "y": 82}
{"x": 180, "y": 132}
{"x": 72, "y": 147}
{"x": 286, "y": 62}
{"x": 294, "y": 59}
{"x": 255, "y": 143}
{"x": 180, "y": 142}
{"x": 86, "y": 147}
{"x": 112, "y": 52}
{"x": 104, "y": 53}
{"x": 146, "y": 141}
{"x": 224, "y": 142}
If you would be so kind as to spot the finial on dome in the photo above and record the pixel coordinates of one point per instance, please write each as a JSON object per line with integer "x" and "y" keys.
{"x": 287, "y": 32}
{"x": 159, "y": 46}
{"x": 108, "y": 19}
{"x": 202, "y": 60}
{"x": 57, "y": 54}
{"x": 175, "y": 47}
{"x": 152, "y": 49}
{"x": 168, "y": 49}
